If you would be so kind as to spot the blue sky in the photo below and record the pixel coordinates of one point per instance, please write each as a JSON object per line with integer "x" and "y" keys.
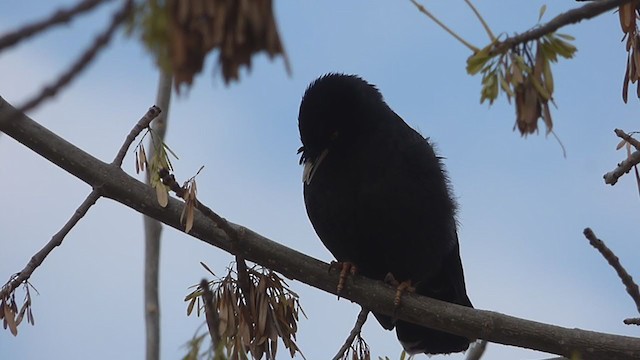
{"x": 522, "y": 205}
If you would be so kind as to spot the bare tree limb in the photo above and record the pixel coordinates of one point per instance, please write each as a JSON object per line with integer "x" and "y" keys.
{"x": 169, "y": 180}
{"x": 56, "y": 240}
{"x": 89, "y": 201}
{"x": 59, "y": 17}
{"x": 143, "y": 123}
{"x": 83, "y": 61}
{"x": 360, "y": 320}
{"x": 627, "y": 164}
{"x": 623, "y": 167}
{"x": 612, "y": 259}
{"x": 572, "y": 16}
{"x": 374, "y": 295}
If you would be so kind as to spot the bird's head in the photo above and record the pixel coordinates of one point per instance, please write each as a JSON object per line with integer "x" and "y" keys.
{"x": 335, "y": 108}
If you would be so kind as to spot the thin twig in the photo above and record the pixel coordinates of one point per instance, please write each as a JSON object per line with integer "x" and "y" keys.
{"x": 83, "y": 61}
{"x": 56, "y": 240}
{"x": 423, "y": 10}
{"x": 477, "y": 350}
{"x": 59, "y": 17}
{"x": 623, "y": 167}
{"x": 612, "y": 259}
{"x": 572, "y": 16}
{"x": 362, "y": 318}
{"x": 236, "y": 236}
{"x": 151, "y": 114}
{"x": 484, "y": 25}
{"x": 627, "y": 164}
{"x": 91, "y": 199}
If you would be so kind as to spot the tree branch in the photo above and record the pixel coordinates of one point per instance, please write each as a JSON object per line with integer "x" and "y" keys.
{"x": 143, "y": 123}
{"x": 59, "y": 17}
{"x": 572, "y": 16}
{"x": 90, "y": 200}
{"x": 374, "y": 295}
{"x": 56, "y": 240}
{"x": 612, "y": 259}
{"x": 361, "y": 319}
{"x": 624, "y": 166}
{"x": 83, "y": 61}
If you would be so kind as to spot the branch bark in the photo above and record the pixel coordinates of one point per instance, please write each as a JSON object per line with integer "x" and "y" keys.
{"x": 374, "y": 295}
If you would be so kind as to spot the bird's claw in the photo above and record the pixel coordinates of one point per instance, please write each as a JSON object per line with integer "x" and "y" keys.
{"x": 401, "y": 287}
{"x": 346, "y": 268}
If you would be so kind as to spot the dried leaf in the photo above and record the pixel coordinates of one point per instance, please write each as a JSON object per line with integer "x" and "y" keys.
{"x": 621, "y": 144}
{"x": 190, "y": 216}
{"x": 207, "y": 268}
{"x": 527, "y": 108}
{"x": 9, "y": 318}
{"x": 625, "y": 82}
{"x": 543, "y": 8}
{"x": 142, "y": 156}
{"x": 627, "y": 17}
{"x": 223, "y": 317}
{"x": 263, "y": 311}
{"x": 548, "y": 77}
{"x": 231, "y": 319}
{"x": 237, "y": 29}
{"x": 546, "y": 117}
{"x": 30, "y": 318}
{"x": 162, "y": 195}
{"x": 245, "y": 333}
{"x": 190, "y": 306}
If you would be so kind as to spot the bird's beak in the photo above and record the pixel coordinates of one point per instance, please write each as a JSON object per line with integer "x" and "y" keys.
{"x": 310, "y": 167}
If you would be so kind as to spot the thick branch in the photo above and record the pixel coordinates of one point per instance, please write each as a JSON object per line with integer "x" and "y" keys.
{"x": 572, "y": 16}
{"x": 374, "y": 295}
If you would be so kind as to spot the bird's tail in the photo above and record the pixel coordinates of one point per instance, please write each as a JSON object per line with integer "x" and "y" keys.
{"x": 447, "y": 286}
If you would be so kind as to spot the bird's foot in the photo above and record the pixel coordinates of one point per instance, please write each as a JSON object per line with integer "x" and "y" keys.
{"x": 346, "y": 268}
{"x": 401, "y": 287}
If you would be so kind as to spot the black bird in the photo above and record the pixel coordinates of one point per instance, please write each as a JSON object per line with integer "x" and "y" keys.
{"x": 378, "y": 198}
